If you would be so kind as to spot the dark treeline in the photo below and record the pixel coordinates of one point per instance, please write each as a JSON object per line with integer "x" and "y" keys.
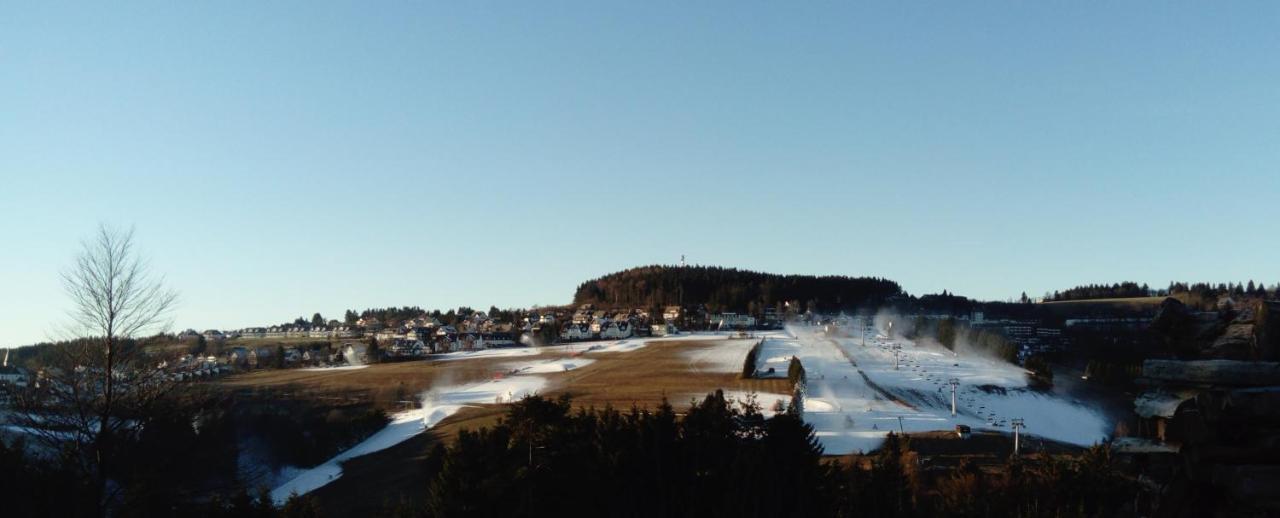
{"x": 544, "y": 459}
{"x": 731, "y": 289}
{"x": 1130, "y": 289}
{"x": 395, "y": 316}
{"x": 184, "y": 463}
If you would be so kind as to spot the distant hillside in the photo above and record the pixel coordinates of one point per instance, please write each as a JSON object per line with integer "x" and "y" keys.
{"x": 731, "y": 289}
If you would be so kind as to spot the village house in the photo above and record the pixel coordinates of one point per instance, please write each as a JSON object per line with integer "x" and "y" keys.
{"x": 214, "y": 335}
{"x": 298, "y": 332}
{"x": 12, "y": 375}
{"x": 354, "y": 353}
{"x": 390, "y": 335}
{"x": 462, "y": 341}
{"x": 347, "y": 332}
{"x": 424, "y": 321}
{"x": 260, "y": 357}
{"x": 576, "y": 331}
{"x": 369, "y": 323}
{"x": 664, "y": 329}
{"x": 253, "y": 332}
{"x": 672, "y": 313}
{"x": 598, "y": 325}
{"x": 727, "y": 321}
{"x": 405, "y": 349}
{"x": 237, "y": 356}
{"x": 616, "y": 329}
{"x": 420, "y": 333}
{"x": 498, "y": 339}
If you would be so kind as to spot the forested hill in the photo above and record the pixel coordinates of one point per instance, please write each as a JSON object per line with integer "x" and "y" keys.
{"x": 731, "y": 289}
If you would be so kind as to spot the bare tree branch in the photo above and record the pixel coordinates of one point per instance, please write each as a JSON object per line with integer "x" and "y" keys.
{"x": 99, "y": 388}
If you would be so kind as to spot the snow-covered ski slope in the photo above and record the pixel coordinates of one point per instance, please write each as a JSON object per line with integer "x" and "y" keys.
{"x": 855, "y": 396}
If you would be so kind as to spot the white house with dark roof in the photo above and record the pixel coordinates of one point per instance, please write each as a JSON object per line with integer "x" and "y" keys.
{"x": 576, "y": 331}
{"x": 616, "y": 330}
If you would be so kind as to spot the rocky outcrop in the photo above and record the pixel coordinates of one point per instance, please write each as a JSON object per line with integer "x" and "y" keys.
{"x": 1213, "y": 372}
{"x": 1222, "y": 418}
{"x": 1236, "y": 342}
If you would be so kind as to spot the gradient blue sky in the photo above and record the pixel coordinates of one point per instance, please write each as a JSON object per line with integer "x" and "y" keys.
{"x": 281, "y": 158}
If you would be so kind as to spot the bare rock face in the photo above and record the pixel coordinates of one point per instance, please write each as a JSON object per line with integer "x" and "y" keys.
{"x": 1235, "y": 343}
{"x": 1172, "y": 316}
{"x": 1213, "y": 372}
{"x": 1267, "y": 330}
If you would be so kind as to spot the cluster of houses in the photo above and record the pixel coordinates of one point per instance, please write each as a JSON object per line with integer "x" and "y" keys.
{"x": 191, "y": 367}
{"x": 354, "y": 353}
{"x": 418, "y": 337}
{"x": 589, "y": 323}
{"x": 425, "y": 335}
{"x": 12, "y": 375}
{"x": 284, "y": 331}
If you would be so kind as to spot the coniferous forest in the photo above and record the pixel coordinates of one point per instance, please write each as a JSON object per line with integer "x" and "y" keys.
{"x": 731, "y": 289}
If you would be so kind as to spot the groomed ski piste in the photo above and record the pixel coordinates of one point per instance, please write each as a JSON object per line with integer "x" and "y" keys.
{"x": 438, "y": 403}
{"x": 855, "y": 396}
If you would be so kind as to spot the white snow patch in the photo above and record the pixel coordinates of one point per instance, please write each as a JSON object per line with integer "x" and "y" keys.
{"x": 437, "y": 404}
{"x": 554, "y": 366}
{"x": 338, "y": 368}
{"x": 502, "y": 352}
{"x": 724, "y": 356}
{"x": 402, "y": 426}
{"x": 766, "y": 400}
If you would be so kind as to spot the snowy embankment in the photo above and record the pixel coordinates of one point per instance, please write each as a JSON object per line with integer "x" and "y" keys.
{"x": 853, "y": 407}
{"x": 437, "y": 404}
{"x": 442, "y": 402}
{"x": 338, "y": 368}
{"x": 504, "y": 352}
{"x": 552, "y": 366}
{"x": 725, "y": 357}
{"x": 765, "y": 400}
{"x": 631, "y": 344}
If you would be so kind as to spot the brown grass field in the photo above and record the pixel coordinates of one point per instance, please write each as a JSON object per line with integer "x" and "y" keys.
{"x": 641, "y": 378}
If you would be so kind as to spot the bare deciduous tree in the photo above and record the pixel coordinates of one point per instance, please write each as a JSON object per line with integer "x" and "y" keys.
{"x": 98, "y": 386}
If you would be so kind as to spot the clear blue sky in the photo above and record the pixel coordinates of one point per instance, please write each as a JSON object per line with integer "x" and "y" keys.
{"x": 282, "y": 158}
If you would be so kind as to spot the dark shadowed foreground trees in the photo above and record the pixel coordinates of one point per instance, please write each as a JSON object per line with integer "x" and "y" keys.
{"x": 723, "y": 460}
{"x": 99, "y": 391}
{"x": 719, "y": 460}
{"x": 546, "y": 459}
